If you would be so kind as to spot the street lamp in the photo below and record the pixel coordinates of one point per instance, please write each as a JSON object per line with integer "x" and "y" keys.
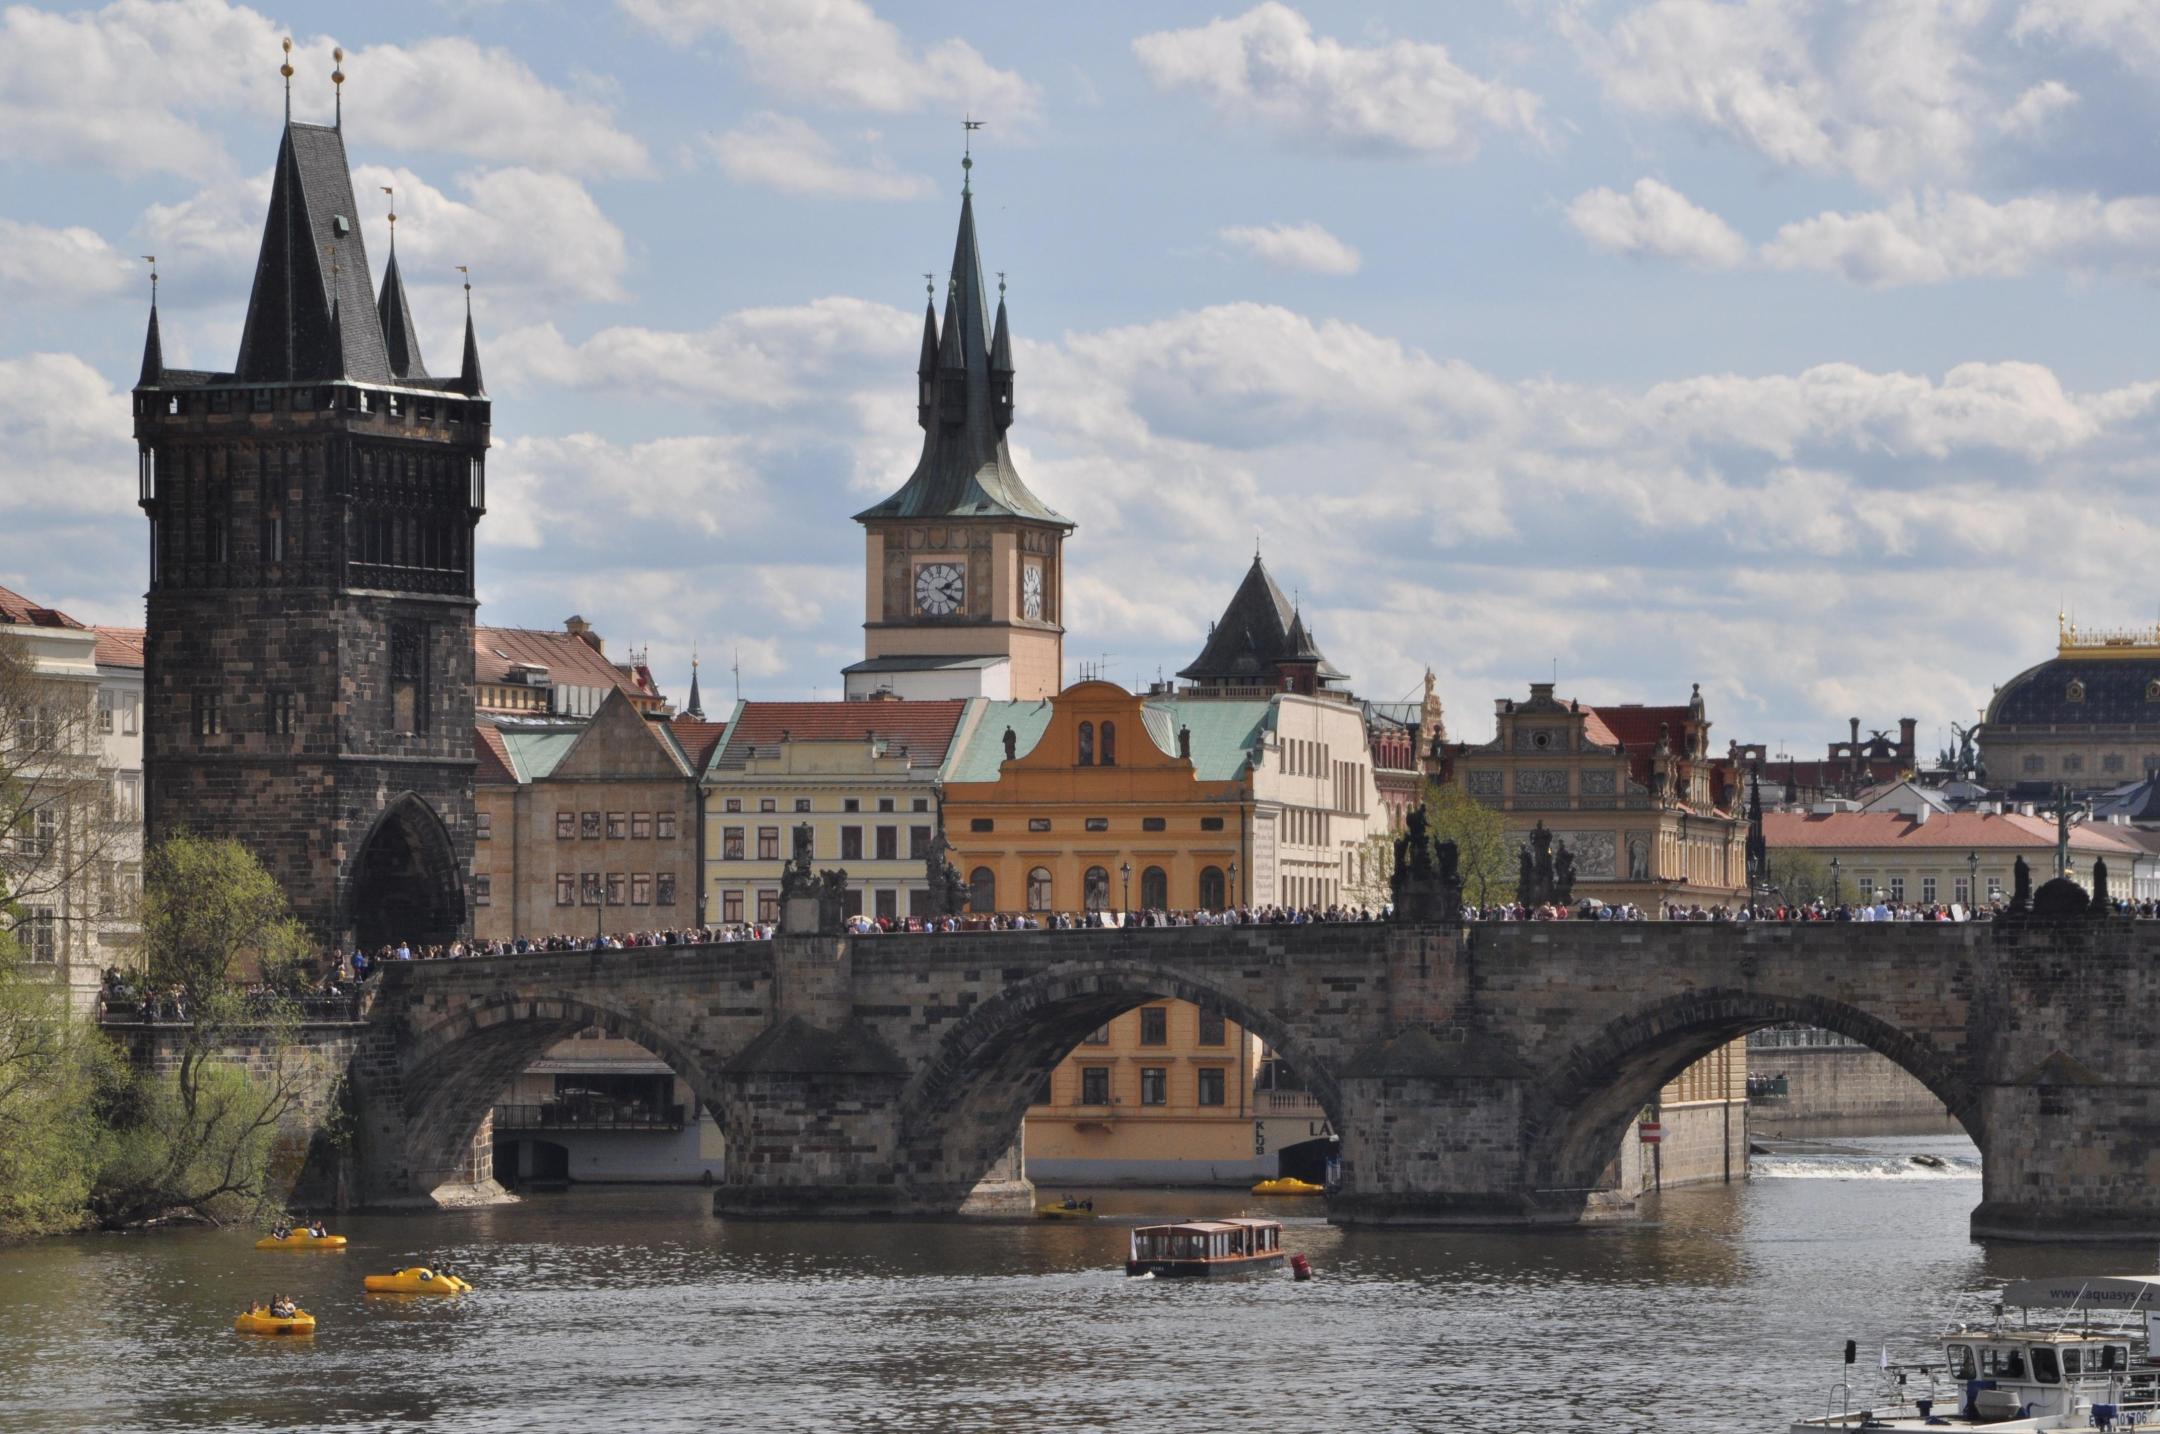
{"x": 1972, "y": 882}
{"x": 1124, "y": 870}
{"x": 599, "y": 907}
{"x": 1233, "y": 884}
{"x": 1837, "y": 889}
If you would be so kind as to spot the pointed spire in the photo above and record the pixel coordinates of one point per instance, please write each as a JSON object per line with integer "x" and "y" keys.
{"x": 695, "y": 708}
{"x": 469, "y": 369}
{"x": 153, "y": 349}
{"x": 400, "y": 340}
{"x": 926, "y": 365}
{"x": 1001, "y": 339}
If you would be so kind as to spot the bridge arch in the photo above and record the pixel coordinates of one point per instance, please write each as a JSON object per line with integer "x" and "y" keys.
{"x": 1596, "y": 1090}
{"x": 460, "y": 1065}
{"x": 961, "y": 1109}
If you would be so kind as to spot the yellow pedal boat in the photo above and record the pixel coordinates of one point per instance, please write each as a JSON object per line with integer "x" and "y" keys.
{"x": 415, "y": 1281}
{"x": 301, "y": 1240}
{"x": 260, "y": 1321}
{"x": 1288, "y": 1185}
{"x": 1065, "y": 1212}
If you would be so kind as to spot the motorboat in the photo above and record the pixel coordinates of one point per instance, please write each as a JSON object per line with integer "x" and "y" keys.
{"x": 1206, "y": 1249}
{"x": 2078, "y": 1355}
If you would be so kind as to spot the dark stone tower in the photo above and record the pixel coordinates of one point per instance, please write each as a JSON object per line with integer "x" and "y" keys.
{"x": 309, "y": 664}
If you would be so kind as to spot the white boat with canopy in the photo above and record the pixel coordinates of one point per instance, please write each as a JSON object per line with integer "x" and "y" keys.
{"x": 2079, "y": 1355}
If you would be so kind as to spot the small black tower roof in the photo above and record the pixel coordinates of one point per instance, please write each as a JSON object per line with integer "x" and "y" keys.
{"x": 401, "y": 342}
{"x": 1258, "y": 635}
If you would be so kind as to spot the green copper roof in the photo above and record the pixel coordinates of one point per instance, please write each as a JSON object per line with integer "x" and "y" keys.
{"x": 1224, "y": 731}
{"x": 534, "y": 755}
{"x": 984, "y": 750}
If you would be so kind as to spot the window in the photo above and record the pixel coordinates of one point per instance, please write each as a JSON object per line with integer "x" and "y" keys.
{"x": 640, "y": 888}
{"x": 41, "y": 834}
{"x": 888, "y": 843}
{"x": 105, "y": 700}
{"x": 641, "y": 826}
{"x": 731, "y": 847}
{"x": 918, "y": 843}
{"x": 1109, "y": 744}
{"x": 884, "y": 804}
{"x": 565, "y": 889}
{"x": 129, "y": 707}
{"x": 1211, "y": 888}
{"x": 589, "y": 888}
{"x": 1038, "y": 889}
{"x": 618, "y": 826}
{"x": 731, "y": 907}
{"x": 129, "y": 792}
{"x": 1096, "y": 824}
{"x": 981, "y": 824}
{"x": 2073, "y": 763}
{"x": 920, "y": 804}
{"x": 768, "y": 804}
{"x": 482, "y": 887}
{"x": 1154, "y": 1085}
{"x": 1154, "y": 889}
{"x": 768, "y": 843}
{"x": 565, "y": 826}
{"x": 2034, "y": 764}
{"x": 1038, "y": 824}
{"x": 1094, "y": 1085}
{"x": 1087, "y": 744}
{"x": 851, "y": 901}
{"x": 888, "y": 905}
{"x": 664, "y": 889}
{"x": 851, "y": 843}
{"x": 209, "y": 714}
{"x": 1927, "y": 889}
{"x": 802, "y": 804}
{"x": 615, "y": 888}
{"x": 851, "y": 804}
{"x": 664, "y": 825}
{"x": 918, "y": 901}
{"x": 1154, "y": 1025}
{"x": 733, "y": 804}
{"x": 982, "y": 890}
{"x": 1960, "y": 891}
{"x": 1211, "y": 1085}
{"x": 44, "y": 944}
{"x": 768, "y": 905}
{"x": 1100, "y": 1036}
{"x": 483, "y": 826}
{"x": 1213, "y": 1029}
{"x": 1095, "y": 889}
{"x": 283, "y": 712}
{"x": 1867, "y": 888}
{"x": 589, "y": 825}
{"x": 1897, "y": 888}
{"x": 1153, "y": 824}
{"x": 1211, "y": 824}
{"x": 2112, "y": 762}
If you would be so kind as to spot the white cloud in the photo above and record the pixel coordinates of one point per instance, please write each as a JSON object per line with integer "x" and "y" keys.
{"x": 2127, "y": 28}
{"x": 2038, "y": 105}
{"x": 1654, "y": 218}
{"x": 780, "y": 152}
{"x": 128, "y": 88}
{"x": 59, "y": 266}
{"x": 550, "y": 488}
{"x": 1401, "y": 97}
{"x": 1886, "y": 91}
{"x": 1304, "y": 246}
{"x": 839, "y": 52}
{"x": 1933, "y": 238}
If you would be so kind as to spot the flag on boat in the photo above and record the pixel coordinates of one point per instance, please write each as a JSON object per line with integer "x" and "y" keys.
{"x": 1886, "y": 1356}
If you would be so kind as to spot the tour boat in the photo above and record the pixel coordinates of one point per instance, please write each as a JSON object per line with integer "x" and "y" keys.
{"x": 1208, "y": 1249}
{"x": 2088, "y": 1365}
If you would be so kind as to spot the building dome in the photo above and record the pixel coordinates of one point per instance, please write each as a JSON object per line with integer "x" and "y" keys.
{"x": 2081, "y": 692}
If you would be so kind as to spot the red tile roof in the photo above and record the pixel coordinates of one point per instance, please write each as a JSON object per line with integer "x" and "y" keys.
{"x": 1638, "y": 726}
{"x": 570, "y": 660}
{"x": 492, "y": 756}
{"x": 119, "y": 646}
{"x": 1995, "y": 831}
{"x": 697, "y": 739}
{"x": 18, "y": 611}
{"x": 924, "y": 728}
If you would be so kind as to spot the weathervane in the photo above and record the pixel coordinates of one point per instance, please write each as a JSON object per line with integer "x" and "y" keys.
{"x": 337, "y": 78}
{"x": 151, "y": 260}
{"x": 967, "y": 149}
{"x": 929, "y": 285}
{"x": 393, "y": 217}
{"x": 462, "y": 269}
{"x": 286, "y": 70}
{"x": 1001, "y": 283}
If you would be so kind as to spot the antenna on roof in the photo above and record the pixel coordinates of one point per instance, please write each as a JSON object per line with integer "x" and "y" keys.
{"x": 337, "y": 79}
{"x": 286, "y": 70}
{"x": 737, "y": 669}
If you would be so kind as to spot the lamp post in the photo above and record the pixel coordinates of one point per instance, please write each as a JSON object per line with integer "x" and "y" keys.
{"x": 1837, "y": 888}
{"x": 1233, "y": 883}
{"x": 599, "y": 907}
{"x": 1124, "y": 871}
{"x": 1972, "y": 883}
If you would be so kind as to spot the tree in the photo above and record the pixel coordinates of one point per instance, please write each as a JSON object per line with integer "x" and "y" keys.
{"x": 1373, "y": 886}
{"x": 1800, "y": 877}
{"x": 208, "y": 1137}
{"x": 1480, "y": 837}
{"x": 52, "y": 1063}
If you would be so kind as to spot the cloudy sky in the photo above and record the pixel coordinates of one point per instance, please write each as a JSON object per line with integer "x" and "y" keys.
{"x": 1804, "y": 350}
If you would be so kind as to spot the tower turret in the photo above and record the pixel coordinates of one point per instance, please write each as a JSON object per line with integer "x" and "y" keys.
{"x": 1001, "y": 367}
{"x": 926, "y": 367}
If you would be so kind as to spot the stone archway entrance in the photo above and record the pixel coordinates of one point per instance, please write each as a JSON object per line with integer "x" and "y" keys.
{"x": 406, "y": 884}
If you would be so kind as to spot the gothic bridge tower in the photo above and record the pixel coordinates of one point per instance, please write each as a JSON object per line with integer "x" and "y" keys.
{"x": 309, "y": 662}
{"x": 965, "y": 583}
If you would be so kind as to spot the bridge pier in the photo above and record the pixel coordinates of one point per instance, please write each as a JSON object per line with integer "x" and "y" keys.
{"x": 2081, "y": 1161}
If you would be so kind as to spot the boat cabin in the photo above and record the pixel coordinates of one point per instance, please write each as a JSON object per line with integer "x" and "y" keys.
{"x": 1205, "y": 1248}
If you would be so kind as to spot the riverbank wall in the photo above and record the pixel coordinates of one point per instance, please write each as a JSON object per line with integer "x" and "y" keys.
{"x": 1839, "y": 1089}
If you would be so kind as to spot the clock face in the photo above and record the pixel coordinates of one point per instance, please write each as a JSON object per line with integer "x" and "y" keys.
{"x": 939, "y": 588}
{"x": 1031, "y": 591}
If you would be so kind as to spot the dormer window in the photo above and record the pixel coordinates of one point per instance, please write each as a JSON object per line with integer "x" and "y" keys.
{"x": 2075, "y": 692}
{"x": 2152, "y": 691}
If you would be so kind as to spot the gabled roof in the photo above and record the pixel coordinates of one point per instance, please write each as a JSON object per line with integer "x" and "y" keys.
{"x": 491, "y": 757}
{"x": 1973, "y": 830}
{"x": 925, "y": 729}
{"x": 621, "y": 743}
{"x": 120, "y": 647}
{"x": 312, "y": 315}
{"x": 534, "y": 752}
{"x": 966, "y": 470}
{"x": 697, "y": 739}
{"x": 570, "y": 660}
{"x": 18, "y": 611}
{"x": 1225, "y": 733}
{"x": 980, "y": 758}
{"x": 1638, "y": 727}
{"x": 1256, "y": 633}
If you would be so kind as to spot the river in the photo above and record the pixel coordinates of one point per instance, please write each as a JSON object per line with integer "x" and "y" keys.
{"x": 634, "y": 1309}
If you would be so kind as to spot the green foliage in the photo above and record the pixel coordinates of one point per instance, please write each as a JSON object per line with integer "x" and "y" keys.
{"x": 1480, "y": 837}
{"x": 1800, "y": 876}
{"x": 52, "y": 1063}
{"x": 208, "y": 910}
{"x": 210, "y": 1144}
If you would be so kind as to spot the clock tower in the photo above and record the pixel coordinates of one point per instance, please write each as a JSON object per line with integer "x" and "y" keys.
{"x": 964, "y": 577}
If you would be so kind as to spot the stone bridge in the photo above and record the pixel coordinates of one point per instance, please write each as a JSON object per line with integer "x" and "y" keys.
{"x": 1478, "y": 1075}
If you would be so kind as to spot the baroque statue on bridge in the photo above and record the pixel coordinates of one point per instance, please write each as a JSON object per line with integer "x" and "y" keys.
{"x": 948, "y": 894}
{"x": 1546, "y": 871}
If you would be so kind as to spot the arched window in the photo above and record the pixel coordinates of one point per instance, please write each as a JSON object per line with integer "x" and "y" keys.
{"x": 982, "y": 891}
{"x": 1211, "y": 889}
{"x": 1038, "y": 893}
{"x": 1109, "y": 744}
{"x": 1087, "y": 744}
{"x": 1154, "y": 889}
{"x": 1096, "y": 891}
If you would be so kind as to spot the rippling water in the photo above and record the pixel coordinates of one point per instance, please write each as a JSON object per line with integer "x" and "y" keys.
{"x": 623, "y": 1309}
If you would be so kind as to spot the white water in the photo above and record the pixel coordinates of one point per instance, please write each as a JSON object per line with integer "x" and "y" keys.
{"x": 1874, "y": 1157}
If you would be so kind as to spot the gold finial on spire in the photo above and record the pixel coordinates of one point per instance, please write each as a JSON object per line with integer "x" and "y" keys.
{"x": 337, "y": 78}
{"x": 286, "y": 70}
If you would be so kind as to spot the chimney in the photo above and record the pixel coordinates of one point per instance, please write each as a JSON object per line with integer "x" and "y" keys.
{"x": 1920, "y": 818}
{"x": 1905, "y": 728}
{"x": 580, "y": 629}
{"x": 1856, "y": 744}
